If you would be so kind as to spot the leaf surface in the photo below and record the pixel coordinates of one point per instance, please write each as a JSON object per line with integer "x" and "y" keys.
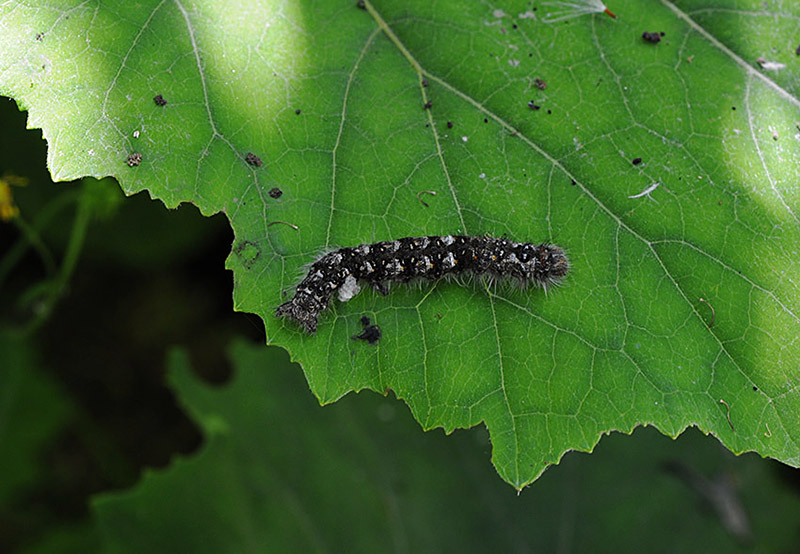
{"x": 682, "y": 304}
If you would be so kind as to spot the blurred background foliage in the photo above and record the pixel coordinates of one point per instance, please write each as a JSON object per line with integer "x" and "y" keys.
{"x": 96, "y": 289}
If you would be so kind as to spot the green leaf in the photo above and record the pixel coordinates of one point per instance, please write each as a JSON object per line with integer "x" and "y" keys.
{"x": 278, "y": 473}
{"x": 682, "y": 304}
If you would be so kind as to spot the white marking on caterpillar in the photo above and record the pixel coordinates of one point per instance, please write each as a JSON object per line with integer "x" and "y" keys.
{"x": 348, "y": 289}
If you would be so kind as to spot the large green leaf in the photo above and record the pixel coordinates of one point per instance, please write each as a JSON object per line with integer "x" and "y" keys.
{"x": 279, "y": 474}
{"x": 682, "y": 304}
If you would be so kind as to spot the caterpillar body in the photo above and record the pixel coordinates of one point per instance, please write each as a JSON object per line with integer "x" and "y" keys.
{"x": 419, "y": 258}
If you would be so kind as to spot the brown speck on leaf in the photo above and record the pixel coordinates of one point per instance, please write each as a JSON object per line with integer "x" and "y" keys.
{"x": 159, "y": 100}
{"x": 275, "y": 192}
{"x": 636, "y": 161}
{"x": 428, "y": 105}
{"x": 534, "y": 106}
{"x": 253, "y": 160}
{"x": 134, "y": 159}
{"x": 652, "y": 38}
{"x": 540, "y": 84}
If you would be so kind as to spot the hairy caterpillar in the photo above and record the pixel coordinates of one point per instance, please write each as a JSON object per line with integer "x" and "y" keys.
{"x": 425, "y": 258}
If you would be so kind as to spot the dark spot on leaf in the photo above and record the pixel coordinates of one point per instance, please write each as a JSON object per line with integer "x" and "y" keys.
{"x": 573, "y": 183}
{"x": 534, "y": 106}
{"x": 797, "y": 51}
{"x": 253, "y": 160}
{"x": 449, "y": 124}
{"x": 275, "y": 192}
{"x": 424, "y": 83}
{"x": 514, "y": 26}
{"x": 540, "y": 84}
{"x": 733, "y": 108}
{"x": 653, "y": 38}
{"x": 485, "y": 120}
{"x": 39, "y": 36}
{"x": 755, "y": 387}
{"x": 361, "y": 5}
{"x": 549, "y": 112}
{"x": 247, "y": 251}
{"x": 371, "y": 334}
{"x": 365, "y": 321}
{"x": 297, "y": 112}
{"x": 159, "y": 100}
{"x": 428, "y": 105}
{"x": 636, "y": 161}
{"x": 134, "y": 159}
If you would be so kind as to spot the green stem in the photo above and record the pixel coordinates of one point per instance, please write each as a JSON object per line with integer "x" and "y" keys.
{"x": 30, "y": 236}
{"x": 54, "y": 290}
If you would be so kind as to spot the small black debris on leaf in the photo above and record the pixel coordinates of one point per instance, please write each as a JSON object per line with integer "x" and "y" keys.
{"x": 253, "y": 160}
{"x": 534, "y": 106}
{"x": 636, "y": 161}
{"x": 449, "y": 124}
{"x": 40, "y": 37}
{"x": 371, "y": 334}
{"x": 361, "y": 5}
{"x": 424, "y": 83}
{"x": 159, "y": 100}
{"x": 297, "y": 112}
{"x": 428, "y": 105}
{"x": 549, "y": 112}
{"x": 275, "y": 192}
{"x": 365, "y": 321}
{"x": 797, "y": 51}
{"x": 134, "y": 159}
{"x": 540, "y": 84}
{"x": 653, "y": 38}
